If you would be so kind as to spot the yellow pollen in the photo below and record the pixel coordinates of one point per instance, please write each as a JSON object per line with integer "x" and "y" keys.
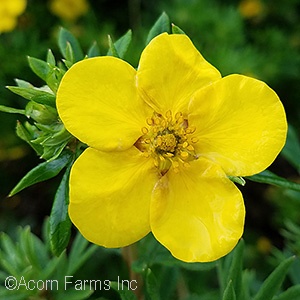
{"x": 144, "y": 130}
{"x": 176, "y": 170}
{"x": 178, "y": 115}
{"x": 186, "y": 165}
{"x": 194, "y": 140}
{"x": 166, "y": 143}
{"x": 156, "y": 121}
{"x": 175, "y": 164}
{"x": 184, "y": 154}
{"x": 185, "y": 144}
{"x": 149, "y": 121}
{"x": 169, "y": 114}
{"x": 191, "y": 129}
{"x": 190, "y": 148}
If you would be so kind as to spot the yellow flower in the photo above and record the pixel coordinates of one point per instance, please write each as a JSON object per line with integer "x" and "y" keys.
{"x": 162, "y": 142}
{"x": 69, "y": 10}
{"x": 250, "y": 8}
{"x": 9, "y": 11}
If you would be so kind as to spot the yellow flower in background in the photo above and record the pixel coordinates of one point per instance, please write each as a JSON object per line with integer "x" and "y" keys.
{"x": 163, "y": 140}
{"x": 69, "y": 10}
{"x": 9, "y": 12}
{"x": 250, "y": 8}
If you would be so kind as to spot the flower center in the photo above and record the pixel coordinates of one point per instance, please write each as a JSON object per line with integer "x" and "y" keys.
{"x": 169, "y": 140}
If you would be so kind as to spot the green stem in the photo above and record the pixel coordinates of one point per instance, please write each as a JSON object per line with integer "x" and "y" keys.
{"x": 129, "y": 255}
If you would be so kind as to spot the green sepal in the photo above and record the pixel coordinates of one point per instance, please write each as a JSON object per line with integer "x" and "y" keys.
{"x": 34, "y": 94}
{"x": 59, "y": 221}
{"x": 93, "y": 50}
{"x": 237, "y": 179}
{"x": 123, "y": 291}
{"x": 39, "y": 67}
{"x": 161, "y": 25}
{"x": 27, "y": 134}
{"x": 271, "y": 178}
{"x": 12, "y": 110}
{"x": 271, "y": 285}
{"x": 42, "y": 172}
{"x": 176, "y": 29}
{"x": 65, "y": 37}
{"x": 121, "y": 45}
{"x": 152, "y": 288}
{"x": 229, "y": 293}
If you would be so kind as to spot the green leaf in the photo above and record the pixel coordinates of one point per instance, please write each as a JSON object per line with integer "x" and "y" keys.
{"x": 12, "y": 110}
{"x": 74, "y": 294}
{"x": 293, "y": 293}
{"x": 65, "y": 37}
{"x": 54, "y": 78}
{"x": 236, "y": 267}
{"x": 121, "y": 45}
{"x": 123, "y": 291}
{"x": 40, "y": 113}
{"x": 291, "y": 149}
{"x": 229, "y": 293}
{"x": 23, "y": 83}
{"x": 152, "y": 289}
{"x": 42, "y": 172}
{"x": 50, "y": 58}
{"x": 271, "y": 178}
{"x": 112, "y": 48}
{"x": 177, "y": 30}
{"x": 34, "y": 94}
{"x": 161, "y": 25}
{"x": 271, "y": 285}
{"x": 93, "y": 50}
{"x": 59, "y": 221}
{"x": 26, "y": 136}
{"x": 152, "y": 252}
{"x": 79, "y": 253}
{"x": 39, "y": 67}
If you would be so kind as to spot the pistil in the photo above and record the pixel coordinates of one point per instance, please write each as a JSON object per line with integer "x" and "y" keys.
{"x": 168, "y": 140}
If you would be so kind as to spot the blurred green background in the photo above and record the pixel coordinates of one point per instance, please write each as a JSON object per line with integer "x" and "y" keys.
{"x": 252, "y": 37}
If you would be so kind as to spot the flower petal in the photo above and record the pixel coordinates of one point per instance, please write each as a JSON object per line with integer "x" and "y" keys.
{"x": 171, "y": 69}
{"x": 198, "y": 213}
{"x": 110, "y": 196}
{"x": 97, "y": 101}
{"x": 240, "y": 123}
